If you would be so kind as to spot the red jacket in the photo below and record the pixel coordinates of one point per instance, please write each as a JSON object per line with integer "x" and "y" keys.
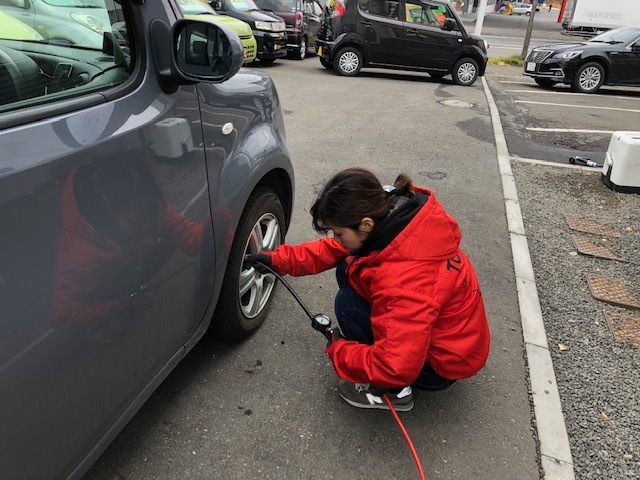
{"x": 425, "y": 301}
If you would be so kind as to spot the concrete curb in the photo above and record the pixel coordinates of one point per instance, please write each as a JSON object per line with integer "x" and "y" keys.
{"x": 556, "y": 461}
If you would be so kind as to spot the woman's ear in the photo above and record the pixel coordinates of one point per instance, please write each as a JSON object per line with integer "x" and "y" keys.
{"x": 366, "y": 225}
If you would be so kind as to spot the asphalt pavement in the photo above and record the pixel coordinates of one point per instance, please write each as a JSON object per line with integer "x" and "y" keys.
{"x": 268, "y": 407}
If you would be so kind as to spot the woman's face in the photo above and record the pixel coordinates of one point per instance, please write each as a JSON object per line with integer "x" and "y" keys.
{"x": 349, "y": 238}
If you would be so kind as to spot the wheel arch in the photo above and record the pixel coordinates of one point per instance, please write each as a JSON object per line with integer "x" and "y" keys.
{"x": 482, "y": 64}
{"x": 596, "y": 59}
{"x": 350, "y": 40}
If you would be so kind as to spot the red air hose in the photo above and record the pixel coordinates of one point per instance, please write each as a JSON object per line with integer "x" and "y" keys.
{"x": 406, "y": 437}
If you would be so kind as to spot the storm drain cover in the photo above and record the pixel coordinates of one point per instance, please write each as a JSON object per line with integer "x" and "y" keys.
{"x": 613, "y": 292}
{"x": 593, "y": 248}
{"x": 625, "y": 328}
{"x": 456, "y": 103}
{"x": 589, "y": 225}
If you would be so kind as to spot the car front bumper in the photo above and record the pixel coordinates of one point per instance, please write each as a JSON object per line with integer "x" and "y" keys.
{"x": 270, "y": 45}
{"x": 542, "y": 64}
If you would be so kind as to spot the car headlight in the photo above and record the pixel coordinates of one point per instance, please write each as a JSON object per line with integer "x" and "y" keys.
{"x": 568, "y": 55}
{"x": 264, "y": 26}
{"x": 91, "y": 22}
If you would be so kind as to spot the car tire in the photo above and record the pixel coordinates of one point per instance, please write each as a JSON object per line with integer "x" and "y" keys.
{"x": 465, "y": 72}
{"x": 301, "y": 53}
{"x": 528, "y": 14}
{"x": 347, "y": 62}
{"x": 326, "y": 63}
{"x": 246, "y": 293}
{"x": 545, "y": 82}
{"x": 588, "y": 78}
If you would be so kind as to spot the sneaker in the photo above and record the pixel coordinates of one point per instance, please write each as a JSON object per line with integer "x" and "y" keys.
{"x": 363, "y": 395}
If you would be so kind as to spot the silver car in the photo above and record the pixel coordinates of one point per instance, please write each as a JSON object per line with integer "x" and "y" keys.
{"x": 134, "y": 178}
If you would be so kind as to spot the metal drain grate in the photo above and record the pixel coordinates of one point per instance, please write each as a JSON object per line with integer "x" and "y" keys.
{"x": 613, "y": 292}
{"x": 594, "y": 248}
{"x": 590, "y": 225}
{"x": 624, "y": 327}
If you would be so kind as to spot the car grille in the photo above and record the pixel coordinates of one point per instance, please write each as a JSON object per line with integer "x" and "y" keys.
{"x": 538, "y": 56}
{"x": 251, "y": 51}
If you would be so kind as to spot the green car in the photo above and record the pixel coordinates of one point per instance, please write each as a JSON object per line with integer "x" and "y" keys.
{"x": 13, "y": 29}
{"x": 200, "y": 10}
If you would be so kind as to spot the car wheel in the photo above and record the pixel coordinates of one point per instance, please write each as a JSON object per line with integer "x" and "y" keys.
{"x": 588, "y": 78}
{"x": 465, "y": 71}
{"x": 545, "y": 82}
{"x": 246, "y": 294}
{"x": 348, "y": 62}
{"x": 301, "y": 54}
{"x": 528, "y": 14}
{"x": 326, "y": 63}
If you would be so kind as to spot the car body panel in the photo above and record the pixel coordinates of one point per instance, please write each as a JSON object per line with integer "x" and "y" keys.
{"x": 116, "y": 229}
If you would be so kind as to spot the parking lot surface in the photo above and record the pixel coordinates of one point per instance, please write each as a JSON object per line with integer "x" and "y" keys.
{"x": 268, "y": 408}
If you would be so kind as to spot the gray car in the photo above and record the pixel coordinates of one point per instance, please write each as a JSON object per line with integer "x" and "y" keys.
{"x": 134, "y": 178}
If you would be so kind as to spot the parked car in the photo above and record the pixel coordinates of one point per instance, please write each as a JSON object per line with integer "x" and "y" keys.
{"x": 13, "y": 29}
{"x": 611, "y": 58}
{"x": 76, "y": 22}
{"x": 201, "y": 10}
{"x": 131, "y": 187}
{"x": 521, "y": 8}
{"x": 302, "y": 18}
{"x": 419, "y": 35}
{"x": 268, "y": 29}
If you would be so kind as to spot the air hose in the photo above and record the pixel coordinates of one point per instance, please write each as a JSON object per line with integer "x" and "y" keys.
{"x": 322, "y": 323}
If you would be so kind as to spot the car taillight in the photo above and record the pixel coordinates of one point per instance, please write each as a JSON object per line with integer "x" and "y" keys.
{"x": 338, "y": 9}
{"x": 298, "y": 20}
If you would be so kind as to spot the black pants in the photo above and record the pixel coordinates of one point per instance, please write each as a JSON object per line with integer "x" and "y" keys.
{"x": 354, "y": 316}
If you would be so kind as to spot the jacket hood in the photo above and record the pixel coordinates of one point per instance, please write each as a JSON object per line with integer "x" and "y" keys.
{"x": 417, "y": 228}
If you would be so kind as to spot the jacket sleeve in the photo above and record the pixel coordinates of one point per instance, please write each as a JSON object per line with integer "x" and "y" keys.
{"x": 401, "y": 320}
{"x": 308, "y": 258}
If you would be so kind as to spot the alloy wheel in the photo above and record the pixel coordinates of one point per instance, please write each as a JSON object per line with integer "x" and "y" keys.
{"x": 467, "y": 73}
{"x": 590, "y": 78}
{"x": 255, "y": 288}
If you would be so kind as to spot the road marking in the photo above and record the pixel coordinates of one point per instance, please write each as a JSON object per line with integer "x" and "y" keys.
{"x": 555, "y": 452}
{"x": 579, "y": 106}
{"x": 504, "y": 47}
{"x": 556, "y": 164}
{"x": 510, "y": 81}
{"x": 539, "y": 90}
{"x": 567, "y": 130}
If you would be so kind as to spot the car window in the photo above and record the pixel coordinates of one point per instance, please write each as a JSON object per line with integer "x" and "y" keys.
{"x": 195, "y": 7}
{"x": 58, "y": 49}
{"x": 280, "y": 5}
{"x": 425, "y": 13}
{"x": 382, "y": 8}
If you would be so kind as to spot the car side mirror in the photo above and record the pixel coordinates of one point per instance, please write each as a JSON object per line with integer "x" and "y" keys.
{"x": 197, "y": 52}
{"x": 449, "y": 24}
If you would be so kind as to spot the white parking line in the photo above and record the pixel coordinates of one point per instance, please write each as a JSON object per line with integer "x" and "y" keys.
{"x": 548, "y": 92}
{"x": 567, "y": 130}
{"x": 509, "y": 81}
{"x": 578, "y": 106}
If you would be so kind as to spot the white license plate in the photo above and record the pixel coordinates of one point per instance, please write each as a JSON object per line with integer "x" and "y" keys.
{"x": 531, "y": 66}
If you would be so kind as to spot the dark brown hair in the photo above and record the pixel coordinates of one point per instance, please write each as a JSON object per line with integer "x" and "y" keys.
{"x": 353, "y": 194}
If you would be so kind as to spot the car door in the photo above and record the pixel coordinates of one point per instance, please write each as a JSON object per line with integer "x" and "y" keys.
{"x": 426, "y": 44}
{"x": 625, "y": 64}
{"x": 106, "y": 241}
{"x": 378, "y": 22}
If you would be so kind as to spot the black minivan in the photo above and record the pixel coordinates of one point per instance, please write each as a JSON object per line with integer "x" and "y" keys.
{"x": 418, "y": 35}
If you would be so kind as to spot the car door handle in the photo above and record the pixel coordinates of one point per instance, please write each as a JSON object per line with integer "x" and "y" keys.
{"x": 412, "y": 33}
{"x": 366, "y": 24}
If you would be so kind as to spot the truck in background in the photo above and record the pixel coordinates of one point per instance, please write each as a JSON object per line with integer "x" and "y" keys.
{"x": 587, "y": 18}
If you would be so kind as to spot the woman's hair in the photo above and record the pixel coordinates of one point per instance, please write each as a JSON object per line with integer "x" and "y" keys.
{"x": 353, "y": 194}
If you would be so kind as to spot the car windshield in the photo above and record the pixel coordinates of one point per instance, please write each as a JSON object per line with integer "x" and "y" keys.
{"x": 279, "y": 5}
{"x": 77, "y": 3}
{"x": 243, "y": 5}
{"x": 195, "y": 7}
{"x": 616, "y": 36}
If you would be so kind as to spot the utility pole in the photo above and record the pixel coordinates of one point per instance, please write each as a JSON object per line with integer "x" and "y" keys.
{"x": 527, "y": 37}
{"x": 482, "y": 8}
